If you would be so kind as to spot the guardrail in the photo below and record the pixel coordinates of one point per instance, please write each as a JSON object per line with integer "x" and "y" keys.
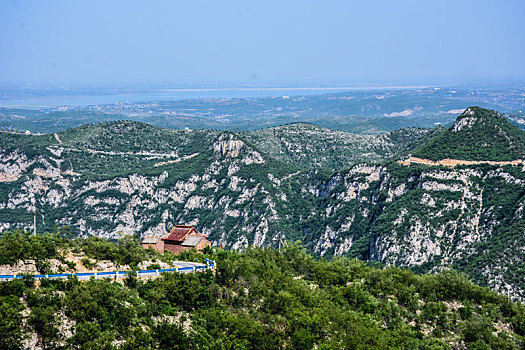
{"x": 210, "y": 265}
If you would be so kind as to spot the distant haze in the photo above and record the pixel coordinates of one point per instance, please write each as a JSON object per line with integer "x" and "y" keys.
{"x": 261, "y": 42}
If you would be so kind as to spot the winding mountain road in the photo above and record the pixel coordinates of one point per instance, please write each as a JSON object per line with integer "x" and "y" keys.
{"x": 180, "y": 267}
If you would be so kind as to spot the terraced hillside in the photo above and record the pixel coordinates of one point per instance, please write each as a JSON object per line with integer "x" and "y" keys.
{"x": 240, "y": 189}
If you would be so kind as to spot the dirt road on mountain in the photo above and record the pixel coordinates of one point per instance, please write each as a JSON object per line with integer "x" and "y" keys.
{"x": 453, "y": 162}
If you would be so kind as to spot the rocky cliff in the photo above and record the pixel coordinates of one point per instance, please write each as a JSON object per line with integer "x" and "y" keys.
{"x": 131, "y": 178}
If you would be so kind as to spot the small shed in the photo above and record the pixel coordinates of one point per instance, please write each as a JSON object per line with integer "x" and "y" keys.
{"x": 196, "y": 242}
{"x": 150, "y": 242}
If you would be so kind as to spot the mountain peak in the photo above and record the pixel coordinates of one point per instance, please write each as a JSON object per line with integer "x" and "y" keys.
{"x": 478, "y": 134}
{"x": 474, "y": 117}
{"x": 230, "y": 146}
{"x": 465, "y": 120}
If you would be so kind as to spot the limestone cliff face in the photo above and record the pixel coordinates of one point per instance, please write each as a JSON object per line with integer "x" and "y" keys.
{"x": 429, "y": 218}
{"x": 215, "y": 197}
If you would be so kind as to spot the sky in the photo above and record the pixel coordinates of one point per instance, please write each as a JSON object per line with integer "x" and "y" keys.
{"x": 260, "y": 42}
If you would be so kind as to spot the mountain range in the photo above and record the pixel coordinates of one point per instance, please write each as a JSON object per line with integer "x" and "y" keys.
{"x": 379, "y": 198}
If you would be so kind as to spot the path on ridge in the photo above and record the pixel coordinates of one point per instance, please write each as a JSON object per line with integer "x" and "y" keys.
{"x": 453, "y": 162}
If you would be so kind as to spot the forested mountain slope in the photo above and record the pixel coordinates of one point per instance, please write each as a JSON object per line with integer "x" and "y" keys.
{"x": 478, "y": 134}
{"x": 257, "y": 299}
{"x": 253, "y": 189}
{"x": 311, "y": 146}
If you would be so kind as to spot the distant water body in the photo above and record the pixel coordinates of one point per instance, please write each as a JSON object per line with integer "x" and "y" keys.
{"x": 176, "y": 94}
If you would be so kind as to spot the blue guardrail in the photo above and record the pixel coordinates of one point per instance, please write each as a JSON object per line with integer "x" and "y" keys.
{"x": 210, "y": 265}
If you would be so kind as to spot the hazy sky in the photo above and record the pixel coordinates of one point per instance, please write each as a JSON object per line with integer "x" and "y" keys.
{"x": 262, "y": 41}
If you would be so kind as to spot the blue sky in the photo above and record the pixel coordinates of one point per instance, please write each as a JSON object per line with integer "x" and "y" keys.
{"x": 179, "y": 42}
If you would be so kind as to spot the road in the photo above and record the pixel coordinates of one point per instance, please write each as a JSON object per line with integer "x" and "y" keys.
{"x": 180, "y": 267}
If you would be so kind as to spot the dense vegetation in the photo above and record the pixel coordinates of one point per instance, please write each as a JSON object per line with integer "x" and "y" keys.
{"x": 136, "y": 137}
{"x": 102, "y": 179}
{"x": 18, "y": 245}
{"x": 310, "y": 146}
{"x": 478, "y": 134}
{"x": 129, "y": 146}
{"x": 258, "y": 299}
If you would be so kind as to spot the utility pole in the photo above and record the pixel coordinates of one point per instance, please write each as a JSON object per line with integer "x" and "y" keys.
{"x": 34, "y": 223}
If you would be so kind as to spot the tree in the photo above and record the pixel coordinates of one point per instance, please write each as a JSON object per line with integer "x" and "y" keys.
{"x": 10, "y": 320}
{"x": 44, "y": 322}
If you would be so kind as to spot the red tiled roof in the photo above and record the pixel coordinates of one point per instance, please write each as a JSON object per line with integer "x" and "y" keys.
{"x": 179, "y": 233}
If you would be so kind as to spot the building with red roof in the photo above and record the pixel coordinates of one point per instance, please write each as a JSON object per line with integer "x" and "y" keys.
{"x": 180, "y": 238}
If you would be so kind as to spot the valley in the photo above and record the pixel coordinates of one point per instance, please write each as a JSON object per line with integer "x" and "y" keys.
{"x": 364, "y": 110}
{"x": 338, "y": 193}
{"x": 262, "y": 175}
